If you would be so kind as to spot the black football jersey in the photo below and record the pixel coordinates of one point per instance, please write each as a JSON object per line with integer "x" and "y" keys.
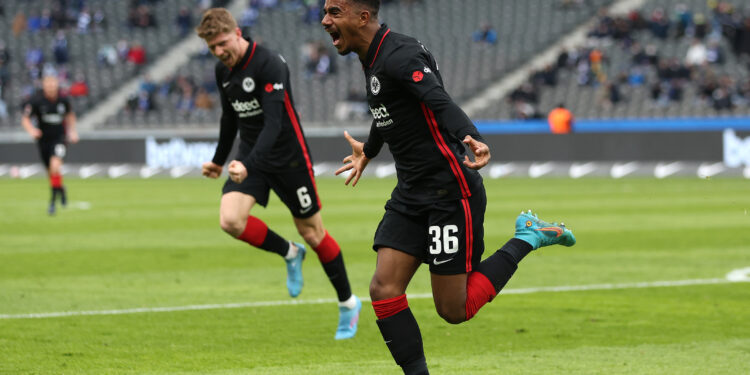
{"x": 49, "y": 115}
{"x": 256, "y": 99}
{"x": 421, "y": 124}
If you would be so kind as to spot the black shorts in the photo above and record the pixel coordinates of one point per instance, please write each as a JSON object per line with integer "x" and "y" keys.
{"x": 295, "y": 188}
{"x": 51, "y": 147}
{"x": 449, "y": 236}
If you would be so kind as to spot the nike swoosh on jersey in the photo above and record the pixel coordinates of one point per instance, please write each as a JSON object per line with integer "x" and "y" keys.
{"x": 225, "y": 84}
{"x": 306, "y": 210}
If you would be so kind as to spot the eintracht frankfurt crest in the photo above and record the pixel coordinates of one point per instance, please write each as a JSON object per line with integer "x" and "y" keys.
{"x": 248, "y": 84}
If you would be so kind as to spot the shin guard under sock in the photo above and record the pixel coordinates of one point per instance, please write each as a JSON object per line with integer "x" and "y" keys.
{"x": 401, "y": 333}
{"x": 256, "y": 233}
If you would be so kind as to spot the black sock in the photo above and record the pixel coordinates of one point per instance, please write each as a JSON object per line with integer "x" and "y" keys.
{"x": 54, "y": 197}
{"x": 275, "y": 244}
{"x": 63, "y": 196}
{"x": 500, "y": 266}
{"x": 336, "y": 272}
{"x": 401, "y": 334}
{"x": 518, "y": 249}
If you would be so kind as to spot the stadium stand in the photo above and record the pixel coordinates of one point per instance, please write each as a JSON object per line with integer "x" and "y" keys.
{"x": 446, "y": 27}
{"x": 98, "y": 44}
{"x": 328, "y": 87}
{"x": 645, "y": 68}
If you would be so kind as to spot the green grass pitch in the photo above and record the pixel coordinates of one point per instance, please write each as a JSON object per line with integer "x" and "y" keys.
{"x": 127, "y": 244}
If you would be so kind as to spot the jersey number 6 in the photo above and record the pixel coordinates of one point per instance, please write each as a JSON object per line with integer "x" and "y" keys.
{"x": 304, "y": 198}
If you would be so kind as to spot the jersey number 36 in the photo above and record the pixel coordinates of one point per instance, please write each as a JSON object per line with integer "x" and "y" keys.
{"x": 447, "y": 243}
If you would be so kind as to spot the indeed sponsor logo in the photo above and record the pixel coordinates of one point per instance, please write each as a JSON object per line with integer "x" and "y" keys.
{"x": 380, "y": 112}
{"x": 736, "y": 149}
{"x": 178, "y": 153}
{"x": 247, "y": 109}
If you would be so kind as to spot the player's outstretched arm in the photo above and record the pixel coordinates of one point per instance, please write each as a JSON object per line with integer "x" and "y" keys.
{"x": 481, "y": 153}
{"x": 356, "y": 162}
{"x": 211, "y": 170}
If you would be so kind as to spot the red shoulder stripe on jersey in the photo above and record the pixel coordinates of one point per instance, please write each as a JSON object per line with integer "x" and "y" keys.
{"x": 378, "y": 50}
{"x": 446, "y": 151}
{"x": 301, "y": 140}
{"x": 469, "y": 233}
{"x": 252, "y": 53}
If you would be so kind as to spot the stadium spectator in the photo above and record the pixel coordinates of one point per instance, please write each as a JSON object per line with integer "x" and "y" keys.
{"x": 99, "y": 20}
{"x": 659, "y": 24}
{"x": 185, "y": 102}
{"x": 610, "y": 94}
{"x": 107, "y": 55}
{"x": 184, "y": 21}
{"x": 3, "y": 108}
{"x": 34, "y": 22}
{"x": 45, "y": 20}
{"x": 84, "y": 21}
{"x": 19, "y": 24}
{"x": 79, "y": 87}
{"x": 485, "y": 34}
{"x": 248, "y": 18}
{"x": 560, "y": 120}
{"x": 141, "y": 16}
{"x": 203, "y": 101}
{"x": 34, "y": 58}
{"x": 136, "y": 54}
{"x": 697, "y": 54}
{"x": 318, "y": 60}
{"x": 311, "y": 12}
{"x": 123, "y": 49}
{"x": 714, "y": 52}
{"x": 60, "y": 48}
{"x": 4, "y": 67}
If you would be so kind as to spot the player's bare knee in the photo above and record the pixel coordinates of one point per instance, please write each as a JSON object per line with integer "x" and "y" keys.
{"x": 310, "y": 235}
{"x": 451, "y": 314}
{"x": 232, "y": 226}
{"x": 380, "y": 291}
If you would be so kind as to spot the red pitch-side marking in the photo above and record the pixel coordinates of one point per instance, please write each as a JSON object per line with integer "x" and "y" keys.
{"x": 469, "y": 233}
{"x": 301, "y": 140}
{"x": 446, "y": 151}
{"x": 378, "y": 50}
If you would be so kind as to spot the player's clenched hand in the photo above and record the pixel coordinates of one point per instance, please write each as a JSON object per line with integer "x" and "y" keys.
{"x": 481, "y": 153}
{"x": 73, "y": 137}
{"x": 36, "y": 133}
{"x": 356, "y": 162}
{"x": 237, "y": 171}
{"x": 211, "y": 170}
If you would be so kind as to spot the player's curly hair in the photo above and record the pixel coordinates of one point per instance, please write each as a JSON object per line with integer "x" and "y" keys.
{"x": 215, "y": 21}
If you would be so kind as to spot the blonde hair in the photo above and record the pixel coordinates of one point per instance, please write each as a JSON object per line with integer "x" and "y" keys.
{"x": 215, "y": 21}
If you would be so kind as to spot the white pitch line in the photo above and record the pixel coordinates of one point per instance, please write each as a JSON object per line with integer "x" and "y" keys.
{"x": 544, "y": 289}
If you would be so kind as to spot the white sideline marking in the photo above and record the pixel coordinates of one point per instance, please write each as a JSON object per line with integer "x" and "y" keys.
{"x": 735, "y": 276}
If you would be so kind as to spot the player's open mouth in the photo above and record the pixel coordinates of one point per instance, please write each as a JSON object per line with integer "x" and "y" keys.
{"x": 336, "y": 37}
